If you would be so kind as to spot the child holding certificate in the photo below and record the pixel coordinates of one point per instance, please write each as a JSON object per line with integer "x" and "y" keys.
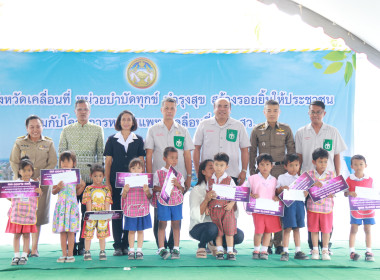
{"x": 171, "y": 211}
{"x": 294, "y": 215}
{"x": 96, "y": 197}
{"x": 135, "y": 205}
{"x": 222, "y": 211}
{"x": 320, "y": 213}
{"x": 66, "y": 220}
{"x": 23, "y": 215}
{"x": 365, "y": 217}
{"x": 263, "y": 185}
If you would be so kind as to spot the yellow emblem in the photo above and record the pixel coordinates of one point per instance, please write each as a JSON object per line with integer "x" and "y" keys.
{"x": 141, "y": 73}
{"x": 280, "y": 130}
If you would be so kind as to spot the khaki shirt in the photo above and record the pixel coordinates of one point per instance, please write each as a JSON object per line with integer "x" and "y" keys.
{"x": 87, "y": 142}
{"x": 42, "y": 153}
{"x": 159, "y": 137}
{"x": 277, "y": 142}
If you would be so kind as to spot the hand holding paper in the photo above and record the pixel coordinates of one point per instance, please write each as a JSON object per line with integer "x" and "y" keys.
{"x": 224, "y": 191}
{"x": 65, "y": 177}
{"x": 136, "y": 181}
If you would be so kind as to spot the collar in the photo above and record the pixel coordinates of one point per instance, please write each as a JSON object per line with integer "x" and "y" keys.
{"x": 266, "y": 125}
{"x": 224, "y": 176}
{"x": 214, "y": 121}
{"x": 28, "y": 138}
{"x": 131, "y": 136}
{"x": 319, "y": 176}
{"x": 267, "y": 179}
{"x": 288, "y": 175}
{"x": 162, "y": 124}
{"x": 309, "y": 126}
{"x": 353, "y": 177}
{"x": 164, "y": 169}
{"x": 78, "y": 124}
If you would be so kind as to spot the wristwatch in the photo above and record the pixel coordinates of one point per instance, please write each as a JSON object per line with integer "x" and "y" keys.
{"x": 244, "y": 170}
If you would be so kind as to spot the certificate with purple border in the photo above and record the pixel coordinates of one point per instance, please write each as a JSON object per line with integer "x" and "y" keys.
{"x": 237, "y": 193}
{"x": 47, "y": 180}
{"x": 303, "y": 182}
{"x": 251, "y": 208}
{"x": 16, "y": 189}
{"x": 120, "y": 178}
{"x": 168, "y": 186}
{"x": 357, "y": 203}
{"x": 103, "y": 215}
{"x": 333, "y": 186}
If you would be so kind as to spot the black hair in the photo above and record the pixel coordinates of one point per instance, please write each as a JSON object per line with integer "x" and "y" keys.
{"x": 169, "y": 150}
{"x": 118, "y": 121}
{"x": 136, "y": 161}
{"x": 96, "y": 167}
{"x": 271, "y": 102}
{"x": 290, "y": 158}
{"x": 202, "y": 166}
{"x": 67, "y": 155}
{"x": 33, "y": 117}
{"x": 264, "y": 157}
{"x": 317, "y": 103}
{"x": 24, "y": 162}
{"x": 320, "y": 153}
{"x": 358, "y": 157}
{"x": 222, "y": 157}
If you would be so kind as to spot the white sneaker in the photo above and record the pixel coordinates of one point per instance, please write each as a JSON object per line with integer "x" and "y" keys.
{"x": 326, "y": 256}
{"x": 314, "y": 255}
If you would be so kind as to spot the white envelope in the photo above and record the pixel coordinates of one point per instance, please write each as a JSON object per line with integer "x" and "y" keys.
{"x": 96, "y": 217}
{"x": 296, "y": 195}
{"x": 65, "y": 177}
{"x": 224, "y": 191}
{"x": 267, "y": 204}
{"x": 169, "y": 185}
{"x": 367, "y": 193}
{"x": 136, "y": 181}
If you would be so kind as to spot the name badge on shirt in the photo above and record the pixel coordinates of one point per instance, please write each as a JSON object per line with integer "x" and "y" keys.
{"x": 327, "y": 144}
{"x": 231, "y": 135}
{"x": 178, "y": 142}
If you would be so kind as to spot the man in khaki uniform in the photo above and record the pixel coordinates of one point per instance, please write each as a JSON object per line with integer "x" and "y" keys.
{"x": 276, "y": 139}
{"x": 40, "y": 150}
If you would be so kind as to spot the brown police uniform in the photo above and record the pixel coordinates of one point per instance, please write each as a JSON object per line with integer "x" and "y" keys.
{"x": 43, "y": 155}
{"x": 277, "y": 142}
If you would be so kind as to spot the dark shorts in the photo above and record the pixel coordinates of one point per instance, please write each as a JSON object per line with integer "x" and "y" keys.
{"x": 294, "y": 216}
{"x": 169, "y": 213}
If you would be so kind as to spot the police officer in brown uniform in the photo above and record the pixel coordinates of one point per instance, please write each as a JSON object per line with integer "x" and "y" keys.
{"x": 275, "y": 139}
{"x": 40, "y": 150}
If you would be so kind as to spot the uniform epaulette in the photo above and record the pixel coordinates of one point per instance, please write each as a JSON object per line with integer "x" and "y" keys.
{"x": 48, "y": 138}
{"x": 20, "y": 137}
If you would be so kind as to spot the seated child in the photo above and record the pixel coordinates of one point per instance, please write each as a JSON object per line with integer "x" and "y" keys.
{"x": 263, "y": 185}
{"x": 320, "y": 213}
{"x": 222, "y": 211}
{"x": 294, "y": 215}
{"x": 365, "y": 217}
{"x": 171, "y": 211}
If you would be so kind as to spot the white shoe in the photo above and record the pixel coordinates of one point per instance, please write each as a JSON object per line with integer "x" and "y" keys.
{"x": 315, "y": 255}
{"x": 326, "y": 256}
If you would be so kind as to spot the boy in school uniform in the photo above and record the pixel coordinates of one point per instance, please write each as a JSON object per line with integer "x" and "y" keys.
{"x": 365, "y": 217}
{"x": 294, "y": 215}
{"x": 171, "y": 211}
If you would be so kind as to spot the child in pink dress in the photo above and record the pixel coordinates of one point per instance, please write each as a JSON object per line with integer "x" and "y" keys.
{"x": 23, "y": 215}
{"x": 135, "y": 204}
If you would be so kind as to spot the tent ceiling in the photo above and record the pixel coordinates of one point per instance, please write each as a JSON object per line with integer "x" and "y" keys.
{"x": 356, "y": 22}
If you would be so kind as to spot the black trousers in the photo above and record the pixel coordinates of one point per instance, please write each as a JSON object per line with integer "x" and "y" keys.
{"x": 120, "y": 236}
{"x": 206, "y": 232}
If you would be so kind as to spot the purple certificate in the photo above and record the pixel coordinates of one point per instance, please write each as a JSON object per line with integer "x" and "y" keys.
{"x": 303, "y": 182}
{"x": 16, "y": 189}
{"x": 103, "y": 215}
{"x": 49, "y": 177}
{"x": 357, "y": 203}
{"x": 333, "y": 186}
{"x": 235, "y": 193}
{"x": 251, "y": 207}
{"x": 168, "y": 185}
{"x": 120, "y": 178}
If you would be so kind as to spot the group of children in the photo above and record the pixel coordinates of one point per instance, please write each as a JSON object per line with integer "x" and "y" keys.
{"x": 136, "y": 203}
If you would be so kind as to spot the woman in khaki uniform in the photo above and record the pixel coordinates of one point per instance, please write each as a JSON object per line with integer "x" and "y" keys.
{"x": 40, "y": 150}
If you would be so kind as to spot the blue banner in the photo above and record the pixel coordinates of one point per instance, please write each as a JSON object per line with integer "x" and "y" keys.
{"x": 48, "y": 84}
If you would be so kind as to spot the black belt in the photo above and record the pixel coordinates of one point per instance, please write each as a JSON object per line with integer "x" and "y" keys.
{"x": 279, "y": 163}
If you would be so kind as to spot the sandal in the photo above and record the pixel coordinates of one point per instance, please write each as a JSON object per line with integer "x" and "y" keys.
{"x": 212, "y": 248}
{"x": 61, "y": 259}
{"x": 201, "y": 253}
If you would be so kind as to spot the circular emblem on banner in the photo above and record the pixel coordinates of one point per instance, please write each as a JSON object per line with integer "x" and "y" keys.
{"x": 142, "y": 73}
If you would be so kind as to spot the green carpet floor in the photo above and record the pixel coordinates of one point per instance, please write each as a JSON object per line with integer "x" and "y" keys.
{"x": 188, "y": 267}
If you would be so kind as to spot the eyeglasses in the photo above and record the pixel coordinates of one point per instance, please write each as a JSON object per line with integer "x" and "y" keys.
{"x": 318, "y": 113}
